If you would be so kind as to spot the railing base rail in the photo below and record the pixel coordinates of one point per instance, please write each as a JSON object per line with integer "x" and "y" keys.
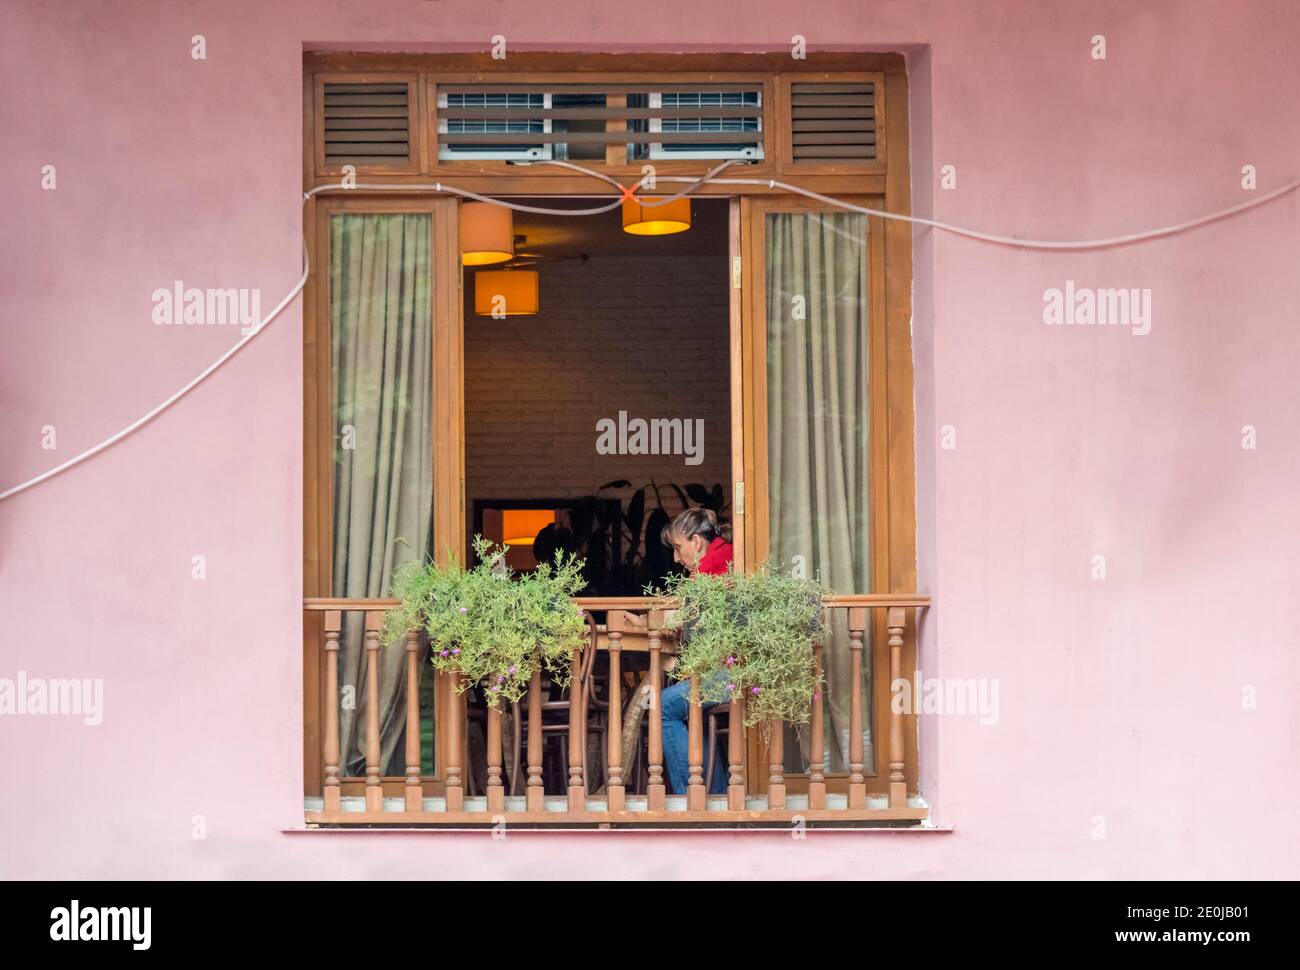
{"x": 561, "y": 820}
{"x": 595, "y": 813}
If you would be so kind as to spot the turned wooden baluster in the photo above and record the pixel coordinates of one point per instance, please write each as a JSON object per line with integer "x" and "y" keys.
{"x": 614, "y": 783}
{"x": 896, "y": 621}
{"x": 857, "y": 751}
{"x": 496, "y": 793}
{"x": 817, "y": 765}
{"x": 655, "y": 794}
{"x": 414, "y": 790}
{"x": 577, "y": 729}
{"x": 453, "y": 718}
{"x": 736, "y": 753}
{"x": 374, "y": 784}
{"x": 536, "y": 792}
{"x": 333, "y": 792}
{"x": 696, "y": 793}
{"x": 776, "y": 765}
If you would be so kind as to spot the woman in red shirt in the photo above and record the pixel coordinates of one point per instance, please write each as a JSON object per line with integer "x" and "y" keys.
{"x": 700, "y": 542}
{"x": 702, "y": 545}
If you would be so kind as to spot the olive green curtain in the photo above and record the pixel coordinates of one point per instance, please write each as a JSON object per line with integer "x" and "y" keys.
{"x": 817, "y": 393}
{"x": 381, "y": 320}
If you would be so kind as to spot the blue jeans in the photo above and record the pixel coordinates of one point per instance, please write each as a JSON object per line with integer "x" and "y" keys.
{"x": 676, "y": 712}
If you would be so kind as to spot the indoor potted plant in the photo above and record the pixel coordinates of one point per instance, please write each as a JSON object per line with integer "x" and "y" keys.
{"x": 493, "y": 627}
{"x": 750, "y": 634}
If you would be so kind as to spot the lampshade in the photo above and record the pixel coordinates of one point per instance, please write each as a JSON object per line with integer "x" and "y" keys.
{"x": 520, "y": 526}
{"x": 659, "y": 220}
{"x": 517, "y": 289}
{"x": 487, "y": 234}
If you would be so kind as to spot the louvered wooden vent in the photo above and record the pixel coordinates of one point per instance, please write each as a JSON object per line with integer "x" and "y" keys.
{"x": 654, "y": 120}
{"x": 833, "y": 124}
{"x": 367, "y": 124}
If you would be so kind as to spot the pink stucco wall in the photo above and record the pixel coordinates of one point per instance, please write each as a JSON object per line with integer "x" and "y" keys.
{"x": 1121, "y": 708}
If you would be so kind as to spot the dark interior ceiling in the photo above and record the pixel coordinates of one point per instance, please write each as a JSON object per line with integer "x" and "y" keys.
{"x": 603, "y": 235}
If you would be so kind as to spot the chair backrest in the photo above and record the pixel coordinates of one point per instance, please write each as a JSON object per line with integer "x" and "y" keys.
{"x": 617, "y": 621}
{"x": 587, "y": 666}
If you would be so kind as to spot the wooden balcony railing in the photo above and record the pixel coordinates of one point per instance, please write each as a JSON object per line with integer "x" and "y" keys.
{"x": 758, "y": 789}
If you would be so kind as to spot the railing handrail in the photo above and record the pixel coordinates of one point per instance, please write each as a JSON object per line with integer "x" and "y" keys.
{"x": 869, "y": 600}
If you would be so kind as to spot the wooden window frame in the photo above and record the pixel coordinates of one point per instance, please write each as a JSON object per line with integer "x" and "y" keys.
{"x": 886, "y": 179}
{"x": 446, "y": 312}
{"x": 754, "y": 213}
{"x": 612, "y": 164}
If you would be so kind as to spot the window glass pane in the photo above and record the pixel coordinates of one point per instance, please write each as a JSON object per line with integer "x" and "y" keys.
{"x": 382, "y": 385}
{"x": 818, "y": 455}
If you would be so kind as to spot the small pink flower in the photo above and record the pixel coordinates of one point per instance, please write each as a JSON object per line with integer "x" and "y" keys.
{"x": 755, "y": 690}
{"x": 731, "y": 687}
{"x": 494, "y": 688}
{"x": 446, "y": 653}
{"x": 512, "y": 670}
{"x": 501, "y": 678}
{"x": 730, "y": 661}
{"x": 464, "y": 610}
{"x": 817, "y": 695}
{"x": 456, "y": 652}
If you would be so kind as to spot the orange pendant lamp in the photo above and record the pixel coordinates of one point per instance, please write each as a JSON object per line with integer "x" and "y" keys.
{"x": 656, "y": 220}
{"x": 505, "y": 292}
{"x": 487, "y": 234}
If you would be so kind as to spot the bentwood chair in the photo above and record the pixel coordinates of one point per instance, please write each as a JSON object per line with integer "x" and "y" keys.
{"x": 635, "y": 756}
{"x": 555, "y": 714}
{"x": 713, "y": 735}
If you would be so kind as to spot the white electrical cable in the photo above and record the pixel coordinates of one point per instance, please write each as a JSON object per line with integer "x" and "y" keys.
{"x": 141, "y": 422}
{"x": 625, "y": 192}
{"x": 539, "y": 210}
{"x": 1012, "y": 240}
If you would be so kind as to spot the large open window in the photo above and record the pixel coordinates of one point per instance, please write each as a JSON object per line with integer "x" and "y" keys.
{"x": 770, "y": 341}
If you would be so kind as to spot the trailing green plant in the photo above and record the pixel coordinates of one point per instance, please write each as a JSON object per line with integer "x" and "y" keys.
{"x": 750, "y": 634}
{"x": 490, "y": 625}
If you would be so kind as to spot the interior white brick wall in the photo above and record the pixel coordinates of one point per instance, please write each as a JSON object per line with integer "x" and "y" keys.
{"x": 646, "y": 335}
